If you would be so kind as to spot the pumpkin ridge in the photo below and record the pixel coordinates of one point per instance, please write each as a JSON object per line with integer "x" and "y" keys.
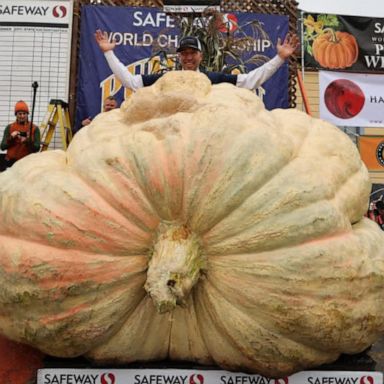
{"x": 349, "y": 55}
{"x": 171, "y": 315}
{"x": 56, "y": 225}
{"x": 69, "y": 244}
{"x": 340, "y": 202}
{"x": 275, "y": 175}
{"x": 220, "y": 164}
{"x": 336, "y": 196}
{"x": 317, "y": 250}
{"x": 140, "y": 175}
{"x": 331, "y": 213}
{"x": 190, "y": 199}
{"x": 207, "y": 308}
{"x": 126, "y": 168}
{"x": 57, "y": 325}
{"x": 283, "y": 362}
{"x": 114, "y": 166}
{"x": 258, "y": 188}
{"x": 58, "y": 314}
{"x": 221, "y": 275}
{"x": 187, "y": 343}
{"x": 32, "y": 264}
{"x": 133, "y": 164}
{"x": 127, "y": 215}
{"x": 144, "y": 336}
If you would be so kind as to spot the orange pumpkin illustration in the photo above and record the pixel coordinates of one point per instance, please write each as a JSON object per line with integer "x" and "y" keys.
{"x": 335, "y": 50}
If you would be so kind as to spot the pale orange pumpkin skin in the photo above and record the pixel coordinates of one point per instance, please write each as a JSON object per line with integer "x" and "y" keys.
{"x": 192, "y": 224}
{"x": 335, "y": 50}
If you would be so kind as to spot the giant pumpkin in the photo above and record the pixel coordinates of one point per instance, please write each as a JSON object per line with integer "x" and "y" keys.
{"x": 192, "y": 224}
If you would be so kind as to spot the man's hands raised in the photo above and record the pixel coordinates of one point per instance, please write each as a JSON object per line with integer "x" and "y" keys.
{"x": 288, "y": 47}
{"x": 104, "y": 44}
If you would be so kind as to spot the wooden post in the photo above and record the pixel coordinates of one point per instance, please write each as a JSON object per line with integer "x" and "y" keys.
{"x": 303, "y": 93}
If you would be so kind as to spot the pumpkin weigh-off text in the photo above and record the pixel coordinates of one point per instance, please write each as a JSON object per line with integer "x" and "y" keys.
{"x": 205, "y": 229}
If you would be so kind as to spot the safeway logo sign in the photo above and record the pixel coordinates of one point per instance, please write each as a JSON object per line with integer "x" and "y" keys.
{"x": 196, "y": 379}
{"x": 340, "y": 378}
{"x": 59, "y": 11}
{"x": 180, "y": 376}
{"x": 36, "y": 11}
{"x": 283, "y": 380}
{"x": 107, "y": 378}
{"x": 366, "y": 380}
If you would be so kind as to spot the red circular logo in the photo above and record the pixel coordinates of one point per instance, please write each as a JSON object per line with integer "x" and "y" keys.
{"x": 366, "y": 380}
{"x": 107, "y": 378}
{"x": 59, "y": 11}
{"x": 228, "y": 23}
{"x": 196, "y": 379}
{"x": 344, "y": 98}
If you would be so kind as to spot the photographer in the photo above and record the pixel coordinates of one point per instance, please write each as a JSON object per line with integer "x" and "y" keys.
{"x": 19, "y": 139}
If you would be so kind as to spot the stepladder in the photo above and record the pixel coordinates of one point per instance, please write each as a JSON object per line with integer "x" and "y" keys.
{"x": 56, "y": 120}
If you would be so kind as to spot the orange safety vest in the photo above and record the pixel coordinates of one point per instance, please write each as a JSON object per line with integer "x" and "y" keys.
{"x": 17, "y": 150}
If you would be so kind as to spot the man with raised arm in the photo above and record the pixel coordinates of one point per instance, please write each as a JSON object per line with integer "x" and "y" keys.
{"x": 190, "y": 56}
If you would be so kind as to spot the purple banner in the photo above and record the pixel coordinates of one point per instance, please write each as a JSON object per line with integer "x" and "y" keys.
{"x": 140, "y": 32}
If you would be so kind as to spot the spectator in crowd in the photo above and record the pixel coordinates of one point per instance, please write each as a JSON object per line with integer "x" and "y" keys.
{"x": 109, "y": 103}
{"x": 191, "y": 56}
{"x": 20, "y": 138}
{"x": 376, "y": 213}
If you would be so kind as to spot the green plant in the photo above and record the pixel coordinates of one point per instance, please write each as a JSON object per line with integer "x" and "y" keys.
{"x": 222, "y": 51}
{"x": 314, "y": 27}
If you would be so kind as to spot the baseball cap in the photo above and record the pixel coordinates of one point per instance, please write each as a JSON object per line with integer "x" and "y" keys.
{"x": 189, "y": 42}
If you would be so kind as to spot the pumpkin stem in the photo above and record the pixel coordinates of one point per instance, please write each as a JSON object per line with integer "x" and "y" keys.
{"x": 174, "y": 267}
{"x": 334, "y": 39}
